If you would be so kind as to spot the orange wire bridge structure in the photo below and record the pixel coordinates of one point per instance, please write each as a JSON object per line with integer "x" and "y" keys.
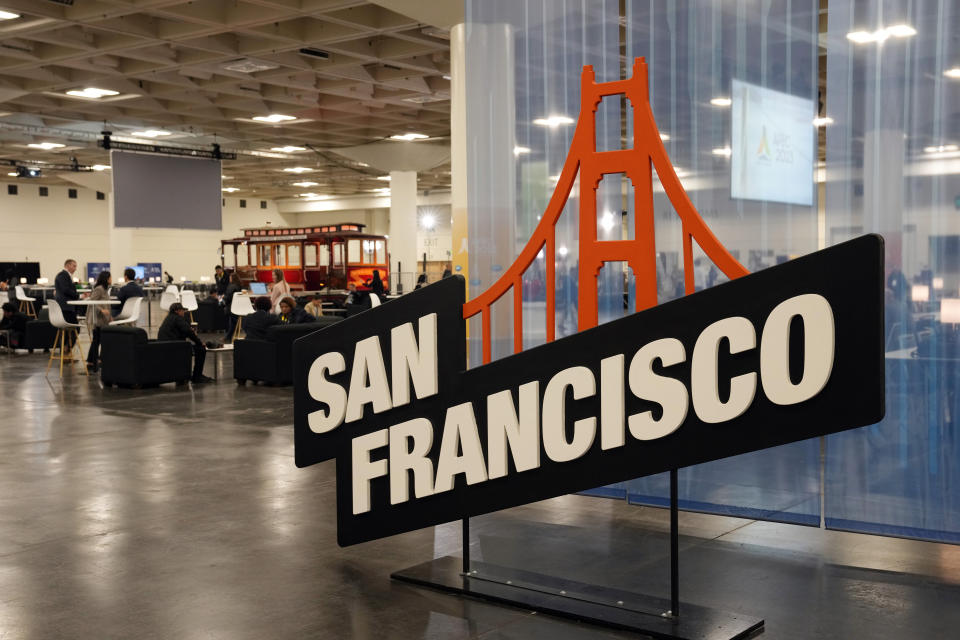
{"x": 637, "y": 163}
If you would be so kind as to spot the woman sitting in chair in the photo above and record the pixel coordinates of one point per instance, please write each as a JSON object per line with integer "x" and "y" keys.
{"x": 290, "y": 313}
{"x": 98, "y": 316}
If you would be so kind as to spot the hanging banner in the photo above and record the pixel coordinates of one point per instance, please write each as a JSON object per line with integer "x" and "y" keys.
{"x": 788, "y": 353}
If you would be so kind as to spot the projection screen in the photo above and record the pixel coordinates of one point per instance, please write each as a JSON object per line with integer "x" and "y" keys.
{"x": 165, "y": 191}
{"x": 772, "y": 144}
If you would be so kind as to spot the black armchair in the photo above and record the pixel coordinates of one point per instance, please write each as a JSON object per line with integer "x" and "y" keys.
{"x": 271, "y": 360}
{"x": 128, "y": 358}
{"x": 210, "y": 316}
{"x": 39, "y": 333}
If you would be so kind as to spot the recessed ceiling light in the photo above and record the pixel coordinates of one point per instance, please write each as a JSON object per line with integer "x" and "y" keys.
{"x": 12, "y": 174}
{"x": 46, "y": 146}
{"x": 953, "y": 73}
{"x": 553, "y": 121}
{"x": 288, "y": 149}
{"x": 8, "y": 15}
{"x": 664, "y": 136}
{"x": 822, "y": 122}
{"x": 150, "y": 133}
{"x": 273, "y": 117}
{"x": 722, "y": 151}
{"x": 92, "y": 92}
{"x": 382, "y": 190}
{"x": 305, "y": 183}
{"x": 298, "y": 169}
{"x": 519, "y": 150}
{"x": 230, "y": 189}
{"x": 721, "y": 102}
{"x": 941, "y": 148}
{"x": 408, "y": 136}
{"x": 881, "y": 34}
{"x": 226, "y": 177}
{"x": 100, "y": 167}
{"x": 384, "y": 178}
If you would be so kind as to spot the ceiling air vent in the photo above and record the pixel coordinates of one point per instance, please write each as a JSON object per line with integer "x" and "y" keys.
{"x": 66, "y": 2}
{"x": 249, "y": 65}
{"x": 315, "y": 53}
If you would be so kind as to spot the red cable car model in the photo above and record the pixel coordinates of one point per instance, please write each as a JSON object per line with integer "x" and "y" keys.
{"x": 311, "y": 258}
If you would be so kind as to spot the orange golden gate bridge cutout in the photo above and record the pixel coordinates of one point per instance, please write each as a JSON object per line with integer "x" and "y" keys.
{"x": 636, "y": 163}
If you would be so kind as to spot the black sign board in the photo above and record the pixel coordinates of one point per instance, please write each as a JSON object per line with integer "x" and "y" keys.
{"x": 791, "y": 352}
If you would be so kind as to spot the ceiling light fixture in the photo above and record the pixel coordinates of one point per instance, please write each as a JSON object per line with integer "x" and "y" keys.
{"x": 943, "y": 148}
{"x": 384, "y": 178}
{"x": 953, "y": 73}
{"x": 92, "y": 93}
{"x": 428, "y": 221}
{"x": 46, "y": 146}
{"x": 553, "y": 121}
{"x": 12, "y": 174}
{"x": 721, "y": 102}
{"x": 822, "y": 122}
{"x": 383, "y": 190}
{"x": 408, "y": 136}
{"x": 288, "y": 149}
{"x": 150, "y": 133}
{"x": 100, "y": 167}
{"x": 881, "y": 34}
{"x": 306, "y": 183}
{"x": 664, "y": 136}
{"x": 298, "y": 169}
{"x": 722, "y": 151}
{"x": 274, "y": 117}
{"x": 230, "y": 189}
{"x": 519, "y": 150}
{"x": 8, "y": 15}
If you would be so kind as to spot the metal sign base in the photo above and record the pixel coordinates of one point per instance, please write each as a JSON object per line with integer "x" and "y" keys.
{"x": 570, "y": 599}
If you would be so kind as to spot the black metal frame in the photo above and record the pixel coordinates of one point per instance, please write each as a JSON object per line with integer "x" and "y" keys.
{"x": 589, "y": 603}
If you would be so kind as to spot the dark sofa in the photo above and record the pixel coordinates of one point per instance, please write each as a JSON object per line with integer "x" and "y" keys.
{"x": 271, "y": 360}
{"x": 128, "y": 358}
{"x": 39, "y": 333}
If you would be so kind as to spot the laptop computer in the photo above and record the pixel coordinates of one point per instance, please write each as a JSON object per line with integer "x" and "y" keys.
{"x": 258, "y": 288}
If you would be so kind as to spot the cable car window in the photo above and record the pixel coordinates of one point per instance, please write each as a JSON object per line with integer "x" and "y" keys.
{"x": 353, "y": 251}
{"x": 265, "y": 255}
{"x": 310, "y": 255}
{"x": 381, "y": 252}
{"x": 293, "y": 255}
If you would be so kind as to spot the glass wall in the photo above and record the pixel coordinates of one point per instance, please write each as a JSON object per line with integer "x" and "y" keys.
{"x": 893, "y": 167}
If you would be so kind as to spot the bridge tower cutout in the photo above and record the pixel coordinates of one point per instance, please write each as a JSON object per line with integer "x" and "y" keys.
{"x": 637, "y": 163}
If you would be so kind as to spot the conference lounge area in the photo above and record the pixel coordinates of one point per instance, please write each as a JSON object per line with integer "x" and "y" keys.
{"x": 287, "y": 186}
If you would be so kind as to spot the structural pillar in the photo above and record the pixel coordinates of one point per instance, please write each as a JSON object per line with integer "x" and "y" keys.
{"x": 458, "y": 153}
{"x": 403, "y": 229}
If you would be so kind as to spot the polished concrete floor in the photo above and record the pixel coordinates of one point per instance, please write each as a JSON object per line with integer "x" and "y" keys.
{"x": 178, "y": 513}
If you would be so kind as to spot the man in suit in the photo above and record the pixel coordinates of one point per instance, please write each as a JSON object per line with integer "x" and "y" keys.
{"x": 130, "y": 289}
{"x": 176, "y": 327}
{"x": 65, "y": 290}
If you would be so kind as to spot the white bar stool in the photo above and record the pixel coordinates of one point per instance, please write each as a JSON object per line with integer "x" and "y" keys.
{"x": 66, "y": 331}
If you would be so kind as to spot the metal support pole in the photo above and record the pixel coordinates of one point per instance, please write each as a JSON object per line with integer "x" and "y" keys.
{"x": 674, "y": 548}
{"x": 466, "y": 545}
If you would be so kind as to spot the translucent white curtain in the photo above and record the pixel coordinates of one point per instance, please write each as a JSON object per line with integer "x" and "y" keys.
{"x": 712, "y": 62}
{"x": 893, "y": 167}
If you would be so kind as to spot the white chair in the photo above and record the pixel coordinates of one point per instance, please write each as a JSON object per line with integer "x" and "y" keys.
{"x": 66, "y": 332}
{"x": 374, "y": 300}
{"x": 240, "y": 306}
{"x": 172, "y": 288}
{"x": 168, "y": 299}
{"x": 26, "y": 303}
{"x": 130, "y": 312}
{"x": 189, "y": 301}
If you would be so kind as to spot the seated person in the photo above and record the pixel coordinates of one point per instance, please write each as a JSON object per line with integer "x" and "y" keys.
{"x": 16, "y": 323}
{"x": 176, "y": 327}
{"x": 130, "y": 289}
{"x": 314, "y": 307}
{"x": 290, "y": 313}
{"x": 256, "y": 324}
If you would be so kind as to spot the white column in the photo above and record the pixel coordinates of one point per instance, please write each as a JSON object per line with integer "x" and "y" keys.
{"x": 403, "y": 228}
{"x": 458, "y": 152}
